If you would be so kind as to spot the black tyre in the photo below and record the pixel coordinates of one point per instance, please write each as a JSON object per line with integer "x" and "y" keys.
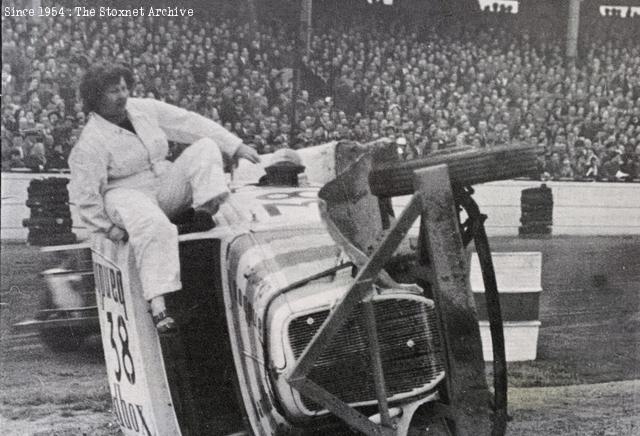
{"x": 537, "y": 207}
{"x": 535, "y": 223}
{"x": 52, "y": 196}
{"x": 534, "y": 230}
{"x": 47, "y": 233}
{"x": 536, "y": 202}
{"x": 47, "y": 203}
{"x": 536, "y": 193}
{"x": 51, "y": 210}
{"x": 50, "y": 235}
{"x": 49, "y": 230}
{"x": 46, "y": 192}
{"x": 539, "y": 210}
{"x": 62, "y": 197}
{"x": 542, "y": 189}
{"x": 46, "y": 222}
{"x": 39, "y": 212}
{"x": 537, "y": 216}
{"x": 49, "y": 181}
{"x": 38, "y": 238}
{"x": 538, "y": 199}
{"x": 529, "y": 223}
{"x": 465, "y": 168}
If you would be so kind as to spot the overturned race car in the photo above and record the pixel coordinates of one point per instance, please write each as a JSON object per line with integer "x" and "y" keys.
{"x": 313, "y": 309}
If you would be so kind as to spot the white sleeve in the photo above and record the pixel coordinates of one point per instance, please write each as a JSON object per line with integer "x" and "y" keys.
{"x": 88, "y": 179}
{"x": 184, "y": 126}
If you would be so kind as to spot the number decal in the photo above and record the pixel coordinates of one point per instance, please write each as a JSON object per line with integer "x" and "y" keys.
{"x": 277, "y": 200}
{"x": 124, "y": 358}
{"x": 114, "y": 346}
{"x": 127, "y": 360}
{"x": 279, "y": 196}
{"x": 273, "y": 209}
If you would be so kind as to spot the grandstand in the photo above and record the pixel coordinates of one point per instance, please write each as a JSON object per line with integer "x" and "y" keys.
{"x": 430, "y": 74}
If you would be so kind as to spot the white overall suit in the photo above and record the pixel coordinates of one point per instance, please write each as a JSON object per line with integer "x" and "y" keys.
{"x": 122, "y": 178}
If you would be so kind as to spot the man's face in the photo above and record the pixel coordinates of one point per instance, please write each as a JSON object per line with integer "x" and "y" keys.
{"x": 114, "y": 99}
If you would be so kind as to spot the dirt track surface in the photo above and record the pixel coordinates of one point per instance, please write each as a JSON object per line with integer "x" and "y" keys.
{"x": 81, "y": 423}
{"x": 603, "y": 409}
{"x": 42, "y": 393}
{"x": 67, "y": 394}
{"x": 590, "y": 311}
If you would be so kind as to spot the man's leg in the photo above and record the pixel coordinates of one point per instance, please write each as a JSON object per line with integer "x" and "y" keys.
{"x": 153, "y": 238}
{"x": 195, "y": 178}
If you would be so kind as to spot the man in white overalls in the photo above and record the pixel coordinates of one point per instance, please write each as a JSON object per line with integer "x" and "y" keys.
{"x": 125, "y": 188}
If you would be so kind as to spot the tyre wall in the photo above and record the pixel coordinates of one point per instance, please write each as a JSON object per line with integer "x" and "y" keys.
{"x": 579, "y": 208}
{"x": 14, "y": 208}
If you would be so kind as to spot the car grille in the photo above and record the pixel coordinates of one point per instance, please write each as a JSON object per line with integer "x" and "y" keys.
{"x": 410, "y": 347}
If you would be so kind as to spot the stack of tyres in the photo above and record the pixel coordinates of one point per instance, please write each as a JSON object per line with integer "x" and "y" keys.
{"x": 50, "y": 221}
{"x": 537, "y": 212}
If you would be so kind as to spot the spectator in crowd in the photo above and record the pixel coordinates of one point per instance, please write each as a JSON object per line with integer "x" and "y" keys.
{"x": 480, "y": 82}
{"x": 36, "y": 158}
{"x": 15, "y": 160}
{"x": 57, "y": 159}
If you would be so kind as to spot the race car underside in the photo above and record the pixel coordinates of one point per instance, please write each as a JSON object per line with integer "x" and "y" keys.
{"x": 203, "y": 378}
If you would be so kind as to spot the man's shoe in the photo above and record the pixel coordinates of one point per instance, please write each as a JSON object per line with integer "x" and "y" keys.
{"x": 165, "y": 323}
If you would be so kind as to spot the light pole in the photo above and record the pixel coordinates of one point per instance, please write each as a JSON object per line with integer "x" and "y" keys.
{"x": 573, "y": 23}
{"x": 302, "y": 47}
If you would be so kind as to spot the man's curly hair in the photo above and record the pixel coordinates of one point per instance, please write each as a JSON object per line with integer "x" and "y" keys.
{"x": 98, "y": 78}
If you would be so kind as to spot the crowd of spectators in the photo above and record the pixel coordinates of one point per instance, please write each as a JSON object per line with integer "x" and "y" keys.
{"x": 474, "y": 83}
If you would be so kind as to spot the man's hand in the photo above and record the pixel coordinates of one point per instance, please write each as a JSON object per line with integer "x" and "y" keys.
{"x": 117, "y": 234}
{"x": 247, "y": 152}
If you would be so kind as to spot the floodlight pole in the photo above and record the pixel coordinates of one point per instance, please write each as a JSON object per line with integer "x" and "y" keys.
{"x": 305, "y": 25}
{"x": 253, "y": 16}
{"x": 573, "y": 24}
{"x": 302, "y": 48}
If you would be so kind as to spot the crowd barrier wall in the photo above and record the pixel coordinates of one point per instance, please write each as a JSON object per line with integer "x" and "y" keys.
{"x": 580, "y": 208}
{"x": 14, "y": 208}
{"x": 519, "y": 280}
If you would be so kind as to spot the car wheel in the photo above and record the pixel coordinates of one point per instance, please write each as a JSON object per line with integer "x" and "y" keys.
{"x": 59, "y": 339}
{"x": 466, "y": 167}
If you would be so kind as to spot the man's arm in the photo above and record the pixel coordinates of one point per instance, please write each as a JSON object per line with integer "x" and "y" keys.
{"x": 88, "y": 178}
{"x": 183, "y": 126}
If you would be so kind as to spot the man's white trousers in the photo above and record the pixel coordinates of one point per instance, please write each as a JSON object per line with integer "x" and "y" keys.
{"x": 194, "y": 179}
